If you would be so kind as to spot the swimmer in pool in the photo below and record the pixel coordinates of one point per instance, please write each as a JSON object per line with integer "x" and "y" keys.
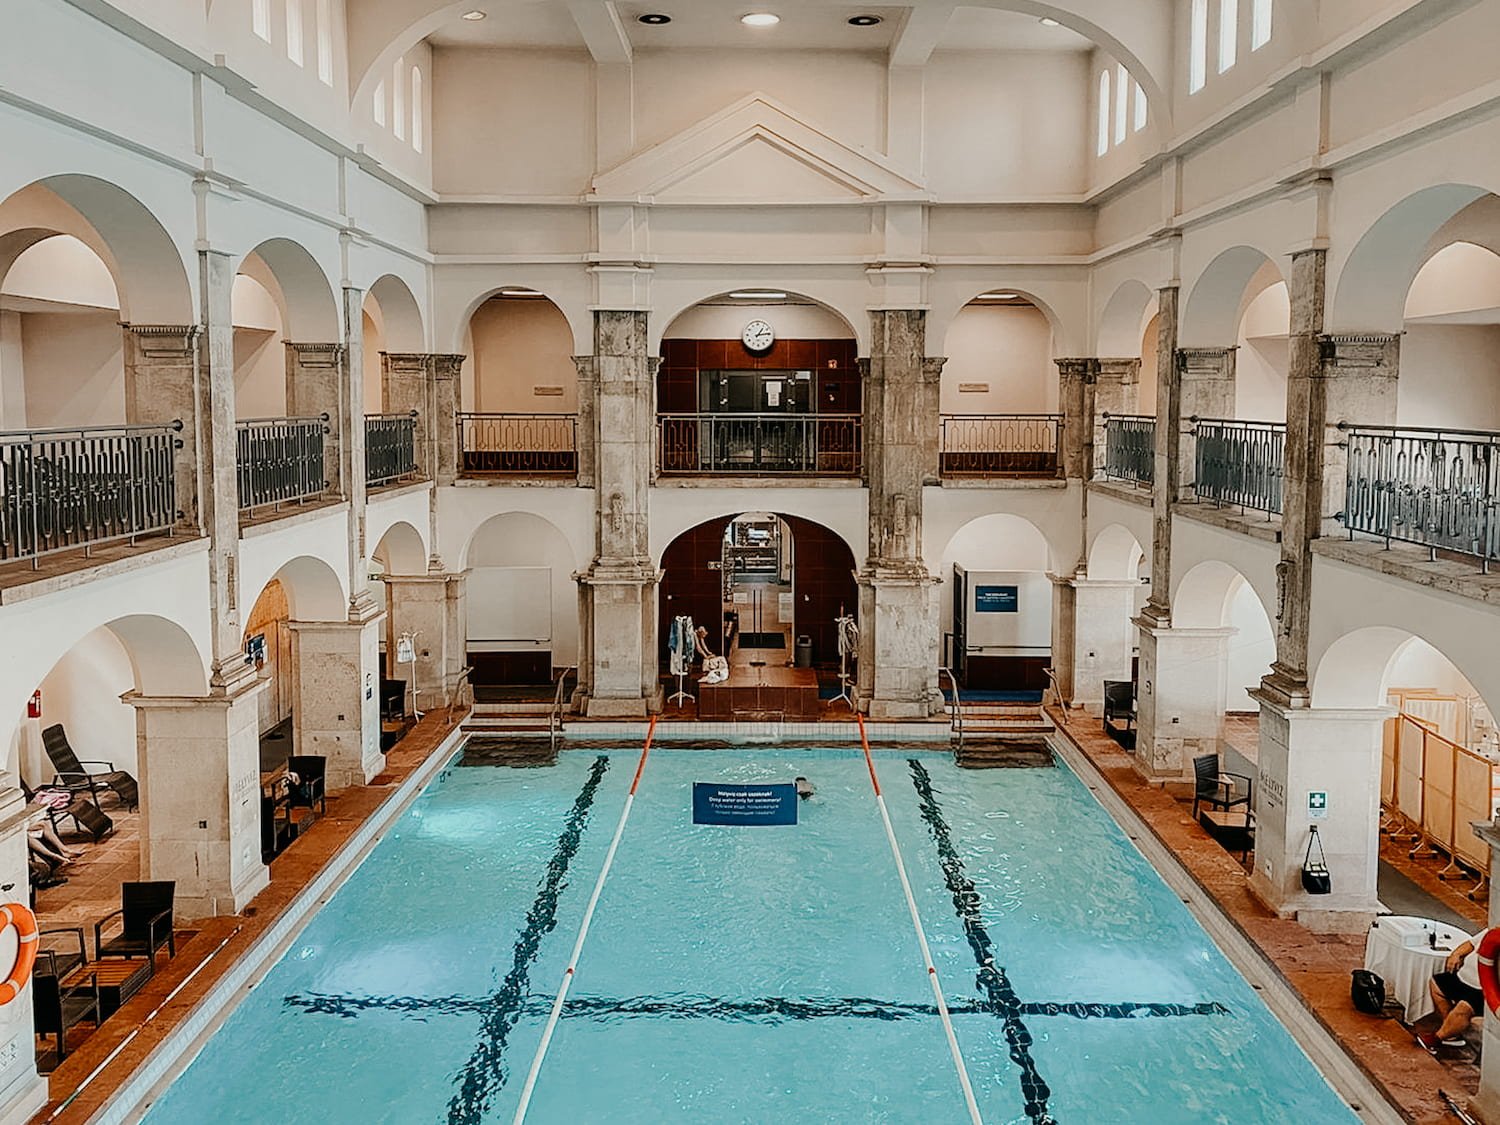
{"x": 804, "y": 788}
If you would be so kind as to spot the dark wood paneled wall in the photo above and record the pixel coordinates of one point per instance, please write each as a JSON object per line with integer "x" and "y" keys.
{"x": 833, "y": 362}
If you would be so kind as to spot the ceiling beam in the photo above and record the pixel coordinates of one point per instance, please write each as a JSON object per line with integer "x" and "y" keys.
{"x": 599, "y": 23}
{"x": 920, "y": 34}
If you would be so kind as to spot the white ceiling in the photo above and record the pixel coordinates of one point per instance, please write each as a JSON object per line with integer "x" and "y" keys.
{"x": 715, "y": 24}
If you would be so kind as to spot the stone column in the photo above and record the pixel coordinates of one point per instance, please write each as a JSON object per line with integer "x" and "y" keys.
{"x": 1117, "y": 390}
{"x": 162, "y": 388}
{"x": 442, "y": 409}
{"x": 1093, "y": 636}
{"x": 316, "y": 387}
{"x": 1205, "y": 390}
{"x": 1168, "y": 453}
{"x": 403, "y": 385}
{"x": 433, "y": 607}
{"x": 618, "y": 669}
{"x": 588, "y": 420}
{"x": 335, "y": 696}
{"x": 1485, "y": 1105}
{"x": 1076, "y": 392}
{"x": 898, "y": 596}
{"x": 22, "y": 1091}
{"x": 1337, "y": 753}
{"x": 200, "y": 798}
{"x": 1180, "y": 699}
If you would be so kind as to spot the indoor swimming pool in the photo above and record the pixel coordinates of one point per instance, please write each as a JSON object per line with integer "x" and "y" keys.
{"x": 753, "y": 974}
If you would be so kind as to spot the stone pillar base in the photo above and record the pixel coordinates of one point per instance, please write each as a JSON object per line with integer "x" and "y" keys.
{"x": 1180, "y": 700}
{"x": 200, "y": 797}
{"x": 432, "y": 606}
{"x": 1093, "y": 637}
{"x": 1335, "y": 753}
{"x": 335, "y": 696}
{"x": 898, "y": 642}
{"x": 617, "y": 674}
{"x": 22, "y": 1090}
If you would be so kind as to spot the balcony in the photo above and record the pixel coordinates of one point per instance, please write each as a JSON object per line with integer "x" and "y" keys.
{"x": 62, "y": 489}
{"x": 518, "y": 445}
{"x": 807, "y": 445}
{"x": 1130, "y": 448}
{"x": 390, "y": 449}
{"x": 1435, "y": 488}
{"x": 1239, "y": 464}
{"x": 1000, "y": 446}
{"x": 279, "y": 461}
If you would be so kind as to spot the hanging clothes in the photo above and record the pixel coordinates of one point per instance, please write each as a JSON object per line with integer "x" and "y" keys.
{"x": 680, "y": 645}
{"x": 848, "y": 636}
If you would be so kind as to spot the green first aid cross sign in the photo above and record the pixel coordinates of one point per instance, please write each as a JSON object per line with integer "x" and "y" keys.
{"x": 1317, "y": 804}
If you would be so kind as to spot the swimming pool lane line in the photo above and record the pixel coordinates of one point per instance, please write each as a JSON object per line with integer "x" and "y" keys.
{"x": 916, "y": 921}
{"x": 583, "y": 933}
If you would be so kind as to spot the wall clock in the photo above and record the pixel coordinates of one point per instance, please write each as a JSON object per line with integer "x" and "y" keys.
{"x": 758, "y": 336}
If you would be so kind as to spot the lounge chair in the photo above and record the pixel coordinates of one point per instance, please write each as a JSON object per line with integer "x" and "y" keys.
{"x": 72, "y": 775}
{"x": 308, "y": 789}
{"x": 1219, "y": 791}
{"x": 88, "y": 818}
{"x": 145, "y": 922}
{"x": 56, "y": 1007}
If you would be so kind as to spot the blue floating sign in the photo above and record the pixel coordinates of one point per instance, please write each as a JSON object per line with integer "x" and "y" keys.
{"x": 756, "y": 805}
{"x": 996, "y": 599}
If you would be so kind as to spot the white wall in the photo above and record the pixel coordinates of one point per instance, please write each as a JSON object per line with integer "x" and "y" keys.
{"x": 1450, "y": 376}
{"x": 74, "y": 368}
{"x": 82, "y": 692}
{"x": 1261, "y": 362}
{"x": 259, "y": 354}
{"x": 726, "y": 322}
{"x": 520, "y": 344}
{"x": 1000, "y": 542}
{"x": 1008, "y": 347}
{"x": 1251, "y": 649}
{"x": 522, "y": 540}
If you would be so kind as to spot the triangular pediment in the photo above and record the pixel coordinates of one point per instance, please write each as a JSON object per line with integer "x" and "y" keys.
{"x": 755, "y": 151}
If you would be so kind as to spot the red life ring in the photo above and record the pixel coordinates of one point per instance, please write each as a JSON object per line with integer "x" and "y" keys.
{"x": 1489, "y": 947}
{"x": 17, "y": 915}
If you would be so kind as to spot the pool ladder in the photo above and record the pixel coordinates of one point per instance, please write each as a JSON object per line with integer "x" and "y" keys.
{"x": 555, "y": 718}
{"x": 955, "y": 709}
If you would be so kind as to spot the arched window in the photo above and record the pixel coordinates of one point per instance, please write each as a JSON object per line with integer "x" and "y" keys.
{"x": 260, "y": 18}
{"x": 1104, "y": 104}
{"x": 1198, "y": 47}
{"x": 1229, "y": 33}
{"x": 1140, "y": 108}
{"x": 398, "y": 99}
{"x": 1260, "y": 24}
{"x": 416, "y": 109}
{"x": 325, "y": 42}
{"x": 378, "y": 105}
{"x": 294, "y": 31}
{"x": 1122, "y": 102}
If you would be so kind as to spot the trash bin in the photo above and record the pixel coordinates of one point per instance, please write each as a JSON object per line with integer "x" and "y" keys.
{"x": 803, "y": 658}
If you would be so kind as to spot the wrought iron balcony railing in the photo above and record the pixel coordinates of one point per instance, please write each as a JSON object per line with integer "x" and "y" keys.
{"x": 1436, "y": 488}
{"x": 518, "y": 444}
{"x": 1000, "y": 445}
{"x": 390, "y": 448}
{"x": 280, "y": 460}
{"x": 1130, "y": 447}
{"x": 62, "y": 489}
{"x": 759, "y": 444}
{"x": 1239, "y": 463}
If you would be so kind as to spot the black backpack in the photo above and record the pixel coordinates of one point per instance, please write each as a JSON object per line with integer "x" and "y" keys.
{"x": 1368, "y": 992}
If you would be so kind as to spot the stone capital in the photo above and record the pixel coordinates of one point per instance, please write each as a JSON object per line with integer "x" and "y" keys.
{"x": 1360, "y": 352}
{"x": 1125, "y": 371}
{"x": 445, "y": 366}
{"x": 317, "y": 354}
{"x": 1083, "y": 368}
{"x": 1205, "y": 362}
{"x": 164, "y": 341}
{"x": 405, "y": 363}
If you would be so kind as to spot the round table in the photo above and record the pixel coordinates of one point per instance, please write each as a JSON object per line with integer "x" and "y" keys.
{"x": 1405, "y": 952}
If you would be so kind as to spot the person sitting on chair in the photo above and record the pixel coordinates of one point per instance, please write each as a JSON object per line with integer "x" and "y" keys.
{"x": 1457, "y": 996}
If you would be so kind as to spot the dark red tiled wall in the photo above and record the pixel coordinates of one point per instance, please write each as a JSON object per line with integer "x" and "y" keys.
{"x": 833, "y": 362}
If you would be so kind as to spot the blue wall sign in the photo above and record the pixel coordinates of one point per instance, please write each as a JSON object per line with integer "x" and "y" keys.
{"x": 718, "y": 803}
{"x": 996, "y": 599}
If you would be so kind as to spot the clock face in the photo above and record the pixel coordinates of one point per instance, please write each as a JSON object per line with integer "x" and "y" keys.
{"x": 758, "y": 336}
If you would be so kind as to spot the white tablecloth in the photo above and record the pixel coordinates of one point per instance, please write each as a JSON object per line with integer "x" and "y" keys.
{"x": 1406, "y": 969}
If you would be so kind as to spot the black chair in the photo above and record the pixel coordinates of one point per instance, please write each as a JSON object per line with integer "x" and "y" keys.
{"x": 64, "y": 947}
{"x": 392, "y": 699}
{"x": 1119, "y": 707}
{"x": 145, "y": 922}
{"x": 308, "y": 789}
{"x": 277, "y": 828}
{"x": 57, "y": 1007}
{"x": 1216, "y": 789}
{"x": 72, "y": 775}
{"x": 88, "y": 818}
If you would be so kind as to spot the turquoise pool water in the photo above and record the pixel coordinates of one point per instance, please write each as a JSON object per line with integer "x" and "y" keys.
{"x": 753, "y": 974}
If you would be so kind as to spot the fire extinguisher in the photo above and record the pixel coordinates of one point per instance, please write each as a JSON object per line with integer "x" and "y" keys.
{"x": 34, "y": 705}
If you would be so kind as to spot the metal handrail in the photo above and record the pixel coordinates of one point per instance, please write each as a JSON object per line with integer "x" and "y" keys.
{"x": 279, "y": 460}
{"x": 555, "y": 718}
{"x": 760, "y": 444}
{"x": 1130, "y": 447}
{"x": 1000, "y": 445}
{"x": 458, "y": 691}
{"x": 1239, "y": 462}
{"x": 531, "y": 444}
{"x": 955, "y": 707}
{"x": 390, "y": 448}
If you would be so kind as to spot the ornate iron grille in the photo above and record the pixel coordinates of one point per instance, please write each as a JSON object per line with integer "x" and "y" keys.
{"x": 280, "y": 460}
{"x": 1436, "y": 488}
{"x": 1239, "y": 463}
{"x": 1130, "y": 447}
{"x": 759, "y": 444}
{"x": 390, "y": 448}
{"x": 518, "y": 444}
{"x": 1000, "y": 445}
{"x": 66, "y": 488}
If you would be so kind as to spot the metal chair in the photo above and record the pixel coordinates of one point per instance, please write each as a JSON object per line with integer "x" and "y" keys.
{"x": 145, "y": 922}
{"x": 1216, "y": 789}
{"x": 56, "y": 1007}
{"x": 308, "y": 789}
{"x": 72, "y": 775}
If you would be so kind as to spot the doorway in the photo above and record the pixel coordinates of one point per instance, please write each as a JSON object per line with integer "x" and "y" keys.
{"x": 760, "y": 605}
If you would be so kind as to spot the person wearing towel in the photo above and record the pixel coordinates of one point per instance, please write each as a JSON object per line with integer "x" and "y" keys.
{"x": 804, "y": 788}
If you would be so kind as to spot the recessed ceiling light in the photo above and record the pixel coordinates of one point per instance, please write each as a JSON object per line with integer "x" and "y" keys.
{"x": 476, "y": 14}
{"x": 758, "y": 295}
{"x": 655, "y": 19}
{"x": 998, "y": 296}
{"x": 1048, "y": 21}
{"x": 863, "y": 21}
{"x": 519, "y": 293}
{"x": 760, "y": 19}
